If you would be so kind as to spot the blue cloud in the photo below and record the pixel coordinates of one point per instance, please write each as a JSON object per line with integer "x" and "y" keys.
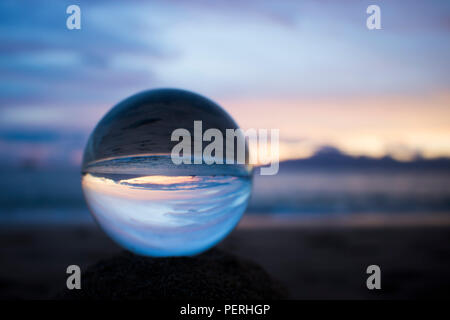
{"x": 220, "y": 48}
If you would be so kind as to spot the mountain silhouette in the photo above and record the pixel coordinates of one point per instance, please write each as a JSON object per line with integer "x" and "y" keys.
{"x": 332, "y": 158}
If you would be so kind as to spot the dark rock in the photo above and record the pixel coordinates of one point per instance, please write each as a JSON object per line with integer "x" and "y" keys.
{"x": 212, "y": 275}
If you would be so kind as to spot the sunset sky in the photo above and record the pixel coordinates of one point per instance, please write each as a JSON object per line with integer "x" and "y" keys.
{"x": 309, "y": 68}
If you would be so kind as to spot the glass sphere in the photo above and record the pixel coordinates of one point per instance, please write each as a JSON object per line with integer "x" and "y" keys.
{"x": 143, "y": 199}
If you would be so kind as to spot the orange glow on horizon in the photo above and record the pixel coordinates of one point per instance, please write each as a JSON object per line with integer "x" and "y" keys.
{"x": 400, "y": 126}
{"x": 161, "y": 180}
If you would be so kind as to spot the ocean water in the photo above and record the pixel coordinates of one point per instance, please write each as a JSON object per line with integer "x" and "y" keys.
{"x": 327, "y": 192}
{"x": 153, "y": 208}
{"x": 54, "y": 195}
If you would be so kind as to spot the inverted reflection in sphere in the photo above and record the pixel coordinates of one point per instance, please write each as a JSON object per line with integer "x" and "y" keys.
{"x": 140, "y": 197}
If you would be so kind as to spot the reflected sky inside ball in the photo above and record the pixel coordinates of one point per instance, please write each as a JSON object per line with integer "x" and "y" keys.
{"x": 142, "y": 199}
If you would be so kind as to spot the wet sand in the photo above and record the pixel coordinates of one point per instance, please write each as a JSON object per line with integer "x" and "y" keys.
{"x": 313, "y": 258}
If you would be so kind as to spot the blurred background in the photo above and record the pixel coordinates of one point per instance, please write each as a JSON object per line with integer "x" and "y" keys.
{"x": 364, "y": 115}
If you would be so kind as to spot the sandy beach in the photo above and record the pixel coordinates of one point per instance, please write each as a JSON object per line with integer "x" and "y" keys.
{"x": 313, "y": 258}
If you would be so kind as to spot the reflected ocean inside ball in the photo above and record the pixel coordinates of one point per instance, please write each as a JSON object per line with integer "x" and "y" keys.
{"x": 140, "y": 197}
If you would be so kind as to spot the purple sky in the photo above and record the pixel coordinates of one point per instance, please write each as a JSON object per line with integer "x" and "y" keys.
{"x": 310, "y": 68}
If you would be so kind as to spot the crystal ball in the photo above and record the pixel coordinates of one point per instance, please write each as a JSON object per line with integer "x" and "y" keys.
{"x": 155, "y": 197}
